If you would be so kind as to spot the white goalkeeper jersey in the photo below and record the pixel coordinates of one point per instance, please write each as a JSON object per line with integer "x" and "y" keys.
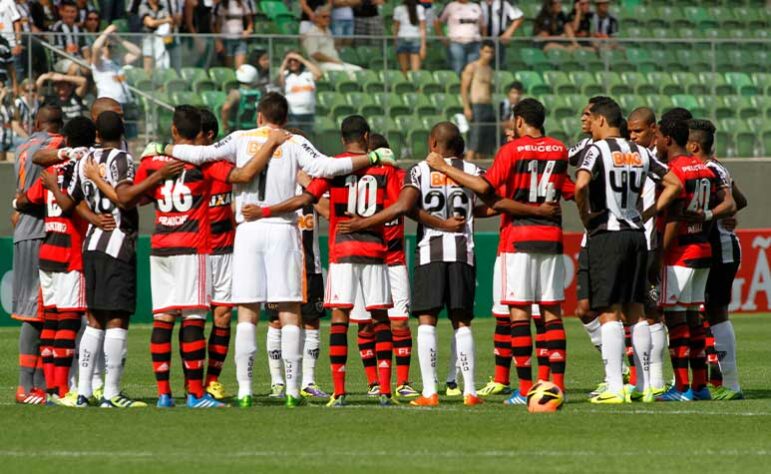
{"x": 278, "y": 181}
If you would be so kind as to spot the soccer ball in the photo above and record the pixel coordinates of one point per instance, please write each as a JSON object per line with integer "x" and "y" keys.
{"x": 544, "y": 397}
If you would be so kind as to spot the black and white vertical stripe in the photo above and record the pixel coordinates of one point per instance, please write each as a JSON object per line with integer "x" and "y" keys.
{"x": 724, "y": 242}
{"x": 118, "y": 168}
{"x": 444, "y": 201}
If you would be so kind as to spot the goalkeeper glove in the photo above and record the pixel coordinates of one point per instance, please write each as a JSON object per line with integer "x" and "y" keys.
{"x": 154, "y": 149}
{"x": 382, "y": 156}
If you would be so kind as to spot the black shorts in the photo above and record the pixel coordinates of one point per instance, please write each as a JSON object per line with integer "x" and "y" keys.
{"x": 439, "y": 285}
{"x": 313, "y": 309}
{"x": 618, "y": 263}
{"x": 111, "y": 284}
{"x": 720, "y": 283}
{"x": 582, "y": 275}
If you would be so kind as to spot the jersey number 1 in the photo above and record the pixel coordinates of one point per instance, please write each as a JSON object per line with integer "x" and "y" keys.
{"x": 362, "y": 195}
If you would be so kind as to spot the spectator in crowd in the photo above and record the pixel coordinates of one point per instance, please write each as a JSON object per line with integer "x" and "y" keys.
{"x": 604, "y": 25}
{"x": 84, "y": 8}
{"x": 320, "y": 46}
{"x": 198, "y": 19}
{"x": 31, "y": 22}
{"x": 552, "y": 24}
{"x": 260, "y": 59}
{"x": 246, "y": 96}
{"x": 69, "y": 38}
{"x": 308, "y": 15}
{"x": 514, "y": 92}
{"x": 297, "y": 78}
{"x": 44, "y": 13}
{"x": 581, "y": 20}
{"x": 464, "y": 30}
{"x": 342, "y": 21}
{"x": 112, "y": 10}
{"x": 230, "y": 17}
{"x": 476, "y": 92}
{"x": 156, "y": 21}
{"x": 409, "y": 28}
{"x": 429, "y": 10}
{"x": 501, "y": 20}
{"x": 368, "y": 22}
{"x": 69, "y": 91}
{"x": 6, "y": 118}
{"x": 107, "y": 71}
{"x": 7, "y": 69}
{"x": 25, "y": 109}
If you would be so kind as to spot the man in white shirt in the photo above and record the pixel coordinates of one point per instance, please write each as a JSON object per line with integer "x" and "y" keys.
{"x": 320, "y": 45}
{"x": 501, "y": 20}
{"x": 267, "y": 254}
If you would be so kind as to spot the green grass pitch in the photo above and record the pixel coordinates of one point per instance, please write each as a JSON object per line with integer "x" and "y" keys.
{"x": 673, "y": 437}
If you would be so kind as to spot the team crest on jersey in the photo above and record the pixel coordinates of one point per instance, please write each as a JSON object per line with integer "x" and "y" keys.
{"x": 626, "y": 159}
{"x": 319, "y": 306}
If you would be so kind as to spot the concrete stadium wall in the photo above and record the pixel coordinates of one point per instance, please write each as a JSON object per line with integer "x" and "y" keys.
{"x": 751, "y": 174}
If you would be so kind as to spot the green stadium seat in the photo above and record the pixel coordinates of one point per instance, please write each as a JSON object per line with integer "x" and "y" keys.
{"x": 571, "y": 125}
{"x": 213, "y": 99}
{"x": 686, "y": 101}
{"x": 614, "y": 83}
{"x": 392, "y": 132}
{"x": 418, "y": 140}
{"x": 397, "y": 82}
{"x": 748, "y": 108}
{"x": 363, "y": 103}
{"x": 502, "y": 79}
{"x": 274, "y": 9}
{"x": 430, "y": 120}
{"x": 639, "y": 83}
{"x": 742, "y": 83}
{"x": 723, "y": 143}
{"x": 562, "y": 59}
{"x": 746, "y": 144}
{"x": 588, "y": 60}
{"x": 420, "y": 103}
{"x": 369, "y": 81}
{"x": 766, "y": 141}
{"x": 449, "y": 79}
{"x": 449, "y": 104}
{"x": 616, "y": 60}
{"x": 532, "y": 82}
{"x": 641, "y": 59}
{"x": 175, "y": 84}
{"x": 425, "y": 81}
{"x": 660, "y": 103}
{"x": 718, "y": 81}
{"x": 559, "y": 107}
{"x": 696, "y": 14}
{"x": 135, "y": 74}
{"x": 193, "y": 74}
{"x": 326, "y": 100}
{"x": 222, "y": 74}
{"x": 342, "y": 81}
{"x": 186, "y": 97}
{"x": 586, "y": 82}
{"x": 629, "y": 102}
{"x": 392, "y": 103}
{"x": 535, "y": 59}
{"x": 349, "y": 55}
{"x": 559, "y": 82}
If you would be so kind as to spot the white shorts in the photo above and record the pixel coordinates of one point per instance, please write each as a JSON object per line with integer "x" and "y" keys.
{"x": 682, "y": 287}
{"x": 180, "y": 283}
{"x": 532, "y": 278}
{"x": 63, "y": 291}
{"x": 400, "y": 291}
{"x": 268, "y": 263}
{"x": 221, "y": 279}
{"x": 347, "y": 280}
{"x": 498, "y": 308}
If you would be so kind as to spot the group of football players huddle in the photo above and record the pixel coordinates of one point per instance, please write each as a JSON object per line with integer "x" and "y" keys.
{"x": 236, "y": 225}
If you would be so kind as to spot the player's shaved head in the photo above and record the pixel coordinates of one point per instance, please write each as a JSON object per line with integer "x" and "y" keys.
{"x": 355, "y": 129}
{"x": 644, "y": 115}
{"x": 702, "y": 132}
{"x": 49, "y": 118}
{"x": 103, "y": 104}
{"x": 445, "y": 136}
{"x": 109, "y": 126}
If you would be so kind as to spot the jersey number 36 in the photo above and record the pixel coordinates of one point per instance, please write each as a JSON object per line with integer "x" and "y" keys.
{"x": 175, "y": 197}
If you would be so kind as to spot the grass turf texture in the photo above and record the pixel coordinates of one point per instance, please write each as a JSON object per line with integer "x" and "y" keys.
{"x": 684, "y": 437}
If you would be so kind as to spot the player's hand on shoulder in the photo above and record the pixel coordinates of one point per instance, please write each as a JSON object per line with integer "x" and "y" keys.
{"x": 90, "y": 169}
{"x": 251, "y": 212}
{"x": 153, "y": 149}
{"x": 172, "y": 168}
{"x": 382, "y": 156}
{"x": 278, "y": 136}
{"x": 72, "y": 154}
{"x": 352, "y": 224}
{"x": 549, "y": 209}
{"x": 49, "y": 180}
{"x": 435, "y": 161}
{"x": 105, "y": 222}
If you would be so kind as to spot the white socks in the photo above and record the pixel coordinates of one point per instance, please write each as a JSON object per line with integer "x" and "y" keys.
{"x": 90, "y": 347}
{"x": 593, "y": 330}
{"x": 658, "y": 348}
{"x": 613, "y": 350}
{"x": 246, "y": 348}
{"x": 97, "y": 378}
{"x": 273, "y": 346}
{"x": 427, "y": 358}
{"x": 641, "y": 342}
{"x": 725, "y": 346}
{"x": 311, "y": 347}
{"x": 452, "y": 371}
{"x": 465, "y": 344}
{"x": 290, "y": 352}
{"x": 114, "y": 349}
{"x": 73, "y": 381}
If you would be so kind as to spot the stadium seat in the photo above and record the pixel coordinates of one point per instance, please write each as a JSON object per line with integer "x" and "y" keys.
{"x": 766, "y": 139}
{"x": 418, "y": 140}
{"x": 397, "y": 82}
{"x": 641, "y": 59}
{"x": 688, "y": 102}
{"x": 449, "y": 79}
{"x": 449, "y": 104}
{"x": 562, "y": 59}
{"x": 535, "y": 59}
{"x": 389, "y": 128}
{"x": 221, "y": 75}
{"x": 175, "y": 84}
{"x": 614, "y": 83}
{"x": 364, "y": 103}
{"x": 615, "y": 60}
{"x": 213, "y": 99}
{"x": 586, "y": 82}
{"x": 342, "y": 81}
{"x": 274, "y": 9}
{"x": 533, "y": 83}
{"x": 369, "y": 81}
{"x": 718, "y": 81}
{"x": 186, "y": 97}
{"x": 393, "y": 104}
{"x": 660, "y": 103}
{"x": 762, "y": 81}
{"x": 742, "y": 83}
{"x": 135, "y": 74}
{"x": 665, "y": 58}
{"x": 425, "y": 82}
{"x": 420, "y": 103}
{"x": 588, "y": 60}
{"x": 665, "y": 83}
{"x": 639, "y": 83}
{"x": 431, "y": 120}
{"x": 559, "y": 82}
{"x": 629, "y": 102}
{"x": 502, "y": 79}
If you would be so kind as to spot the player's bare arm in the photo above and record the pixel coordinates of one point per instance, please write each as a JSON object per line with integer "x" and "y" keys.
{"x": 474, "y": 183}
{"x": 51, "y": 183}
{"x": 46, "y": 158}
{"x": 671, "y": 187}
{"x": 260, "y": 159}
{"x": 725, "y": 208}
{"x": 583, "y": 178}
{"x": 106, "y": 222}
{"x": 546, "y": 209}
{"x": 739, "y": 197}
{"x": 128, "y": 195}
{"x": 408, "y": 198}
{"x": 91, "y": 171}
{"x": 252, "y": 212}
{"x": 322, "y": 206}
{"x": 453, "y": 224}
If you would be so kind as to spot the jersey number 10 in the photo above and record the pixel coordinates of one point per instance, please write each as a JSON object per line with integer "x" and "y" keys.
{"x": 362, "y": 195}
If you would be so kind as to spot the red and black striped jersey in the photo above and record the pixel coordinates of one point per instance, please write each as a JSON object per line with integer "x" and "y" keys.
{"x": 182, "y": 224}
{"x": 221, "y": 217}
{"x": 362, "y": 193}
{"x": 691, "y": 247}
{"x": 394, "y": 233}
{"x": 62, "y": 247}
{"x": 531, "y": 171}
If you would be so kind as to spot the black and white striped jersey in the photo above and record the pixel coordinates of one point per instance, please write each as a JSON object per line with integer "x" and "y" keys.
{"x": 725, "y": 244}
{"x": 444, "y": 198}
{"x": 117, "y": 167}
{"x": 577, "y": 151}
{"x": 619, "y": 169}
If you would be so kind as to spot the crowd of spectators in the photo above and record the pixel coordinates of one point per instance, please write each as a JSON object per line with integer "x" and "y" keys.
{"x": 97, "y": 53}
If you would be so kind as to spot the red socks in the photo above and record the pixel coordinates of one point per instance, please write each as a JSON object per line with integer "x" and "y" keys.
{"x": 522, "y": 349}
{"x": 160, "y": 350}
{"x": 219, "y": 342}
{"x": 541, "y": 351}
{"x": 679, "y": 349}
{"x": 697, "y": 356}
{"x": 557, "y": 351}
{"x": 338, "y": 355}
{"x": 366, "y": 342}
{"x": 64, "y": 349}
{"x": 194, "y": 354}
{"x": 502, "y": 349}
{"x": 47, "y": 341}
{"x": 384, "y": 355}
{"x": 403, "y": 354}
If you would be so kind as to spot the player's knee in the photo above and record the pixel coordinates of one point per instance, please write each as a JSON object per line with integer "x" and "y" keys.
{"x": 400, "y": 323}
{"x": 195, "y": 314}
